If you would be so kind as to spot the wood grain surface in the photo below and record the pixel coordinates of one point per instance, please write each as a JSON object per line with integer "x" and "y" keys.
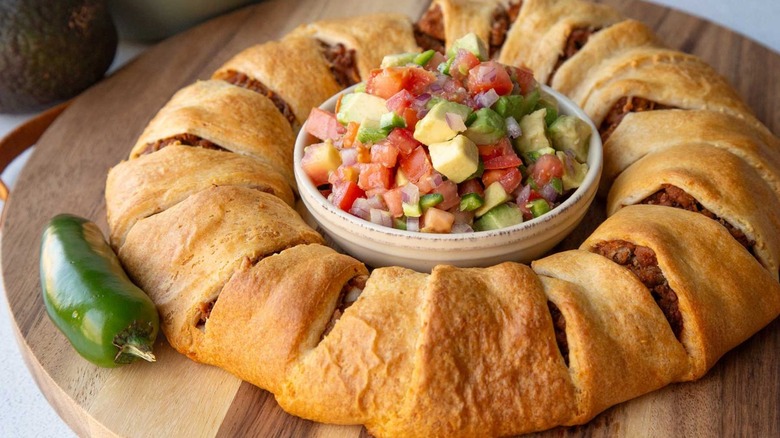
{"x": 177, "y": 397}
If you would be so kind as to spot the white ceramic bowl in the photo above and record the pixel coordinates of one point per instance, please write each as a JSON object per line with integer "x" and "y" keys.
{"x": 379, "y": 246}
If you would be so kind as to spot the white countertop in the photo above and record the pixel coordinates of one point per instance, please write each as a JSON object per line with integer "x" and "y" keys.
{"x": 24, "y": 412}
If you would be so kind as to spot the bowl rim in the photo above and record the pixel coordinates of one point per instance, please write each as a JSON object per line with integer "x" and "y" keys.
{"x": 592, "y": 177}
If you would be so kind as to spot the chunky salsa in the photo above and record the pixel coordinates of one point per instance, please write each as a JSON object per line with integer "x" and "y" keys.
{"x": 446, "y": 144}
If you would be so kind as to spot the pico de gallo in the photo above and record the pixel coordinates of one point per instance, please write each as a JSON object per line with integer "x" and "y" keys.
{"x": 446, "y": 144}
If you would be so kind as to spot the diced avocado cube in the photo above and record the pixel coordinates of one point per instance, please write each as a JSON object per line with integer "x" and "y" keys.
{"x": 573, "y": 171}
{"x": 432, "y": 102}
{"x": 423, "y": 58}
{"x": 529, "y": 102}
{"x": 551, "y": 105}
{"x": 488, "y": 128}
{"x": 356, "y": 107}
{"x": 538, "y": 207}
{"x": 509, "y": 106}
{"x": 370, "y": 131}
{"x": 534, "y": 137}
{"x": 570, "y": 133}
{"x": 457, "y": 159}
{"x": 471, "y": 202}
{"x": 398, "y": 60}
{"x": 411, "y": 210}
{"x": 480, "y": 170}
{"x": 391, "y": 120}
{"x": 494, "y": 195}
{"x": 435, "y": 128}
{"x": 502, "y": 216}
{"x": 431, "y": 200}
{"x": 399, "y": 223}
{"x": 471, "y": 43}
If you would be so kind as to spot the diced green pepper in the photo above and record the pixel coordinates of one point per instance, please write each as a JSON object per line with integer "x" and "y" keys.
{"x": 557, "y": 184}
{"x": 444, "y": 67}
{"x": 471, "y": 202}
{"x": 538, "y": 207}
{"x": 424, "y": 57}
{"x": 399, "y": 223}
{"x": 431, "y": 200}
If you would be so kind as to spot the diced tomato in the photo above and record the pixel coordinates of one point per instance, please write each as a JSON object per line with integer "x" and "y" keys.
{"x": 510, "y": 178}
{"x": 503, "y": 162}
{"x": 426, "y": 183}
{"x": 394, "y": 200}
{"x": 400, "y": 101}
{"x": 534, "y": 195}
{"x": 323, "y": 125}
{"x": 319, "y": 160}
{"x": 524, "y": 78}
{"x": 351, "y": 134}
{"x": 416, "y": 164}
{"x": 463, "y": 62}
{"x": 377, "y": 191}
{"x": 489, "y": 75}
{"x": 436, "y": 59}
{"x": 384, "y": 154}
{"x": 363, "y": 154}
{"x": 344, "y": 174}
{"x": 547, "y": 167}
{"x": 471, "y": 186}
{"x": 374, "y": 176}
{"x": 389, "y": 81}
{"x": 403, "y": 140}
{"x": 344, "y": 195}
{"x": 435, "y": 220}
{"x": 449, "y": 190}
{"x": 410, "y": 117}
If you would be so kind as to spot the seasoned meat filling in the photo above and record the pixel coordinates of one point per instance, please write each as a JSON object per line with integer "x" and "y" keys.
{"x": 559, "y": 324}
{"x": 625, "y": 105}
{"x": 244, "y": 81}
{"x": 205, "y": 312}
{"x": 672, "y": 196}
{"x": 342, "y": 63}
{"x": 642, "y": 262}
{"x": 349, "y": 294}
{"x": 181, "y": 139}
{"x": 576, "y": 41}
{"x": 429, "y": 30}
{"x": 430, "y": 35}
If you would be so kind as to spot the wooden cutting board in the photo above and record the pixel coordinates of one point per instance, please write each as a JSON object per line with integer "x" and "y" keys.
{"x": 177, "y": 397}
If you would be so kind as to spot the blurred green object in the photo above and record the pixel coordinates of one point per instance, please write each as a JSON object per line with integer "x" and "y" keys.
{"x": 52, "y": 50}
{"x": 153, "y": 20}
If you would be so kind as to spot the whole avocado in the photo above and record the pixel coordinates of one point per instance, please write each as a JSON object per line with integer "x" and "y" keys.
{"x": 52, "y": 50}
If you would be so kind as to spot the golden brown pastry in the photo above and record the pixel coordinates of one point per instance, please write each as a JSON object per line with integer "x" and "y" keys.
{"x": 619, "y": 344}
{"x": 719, "y": 184}
{"x": 184, "y": 255}
{"x": 150, "y": 184}
{"x": 539, "y": 36}
{"x": 719, "y": 292}
{"x": 646, "y": 132}
{"x": 371, "y": 37}
{"x": 294, "y": 69}
{"x": 227, "y": 116}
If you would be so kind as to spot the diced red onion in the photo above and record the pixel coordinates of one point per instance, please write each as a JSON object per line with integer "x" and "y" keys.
{"x": 422, "y": 99}
{"x": 513, "y": 128}
{"x": 376, "y": 201}
{"x": 455, "y": 122}
{"x": 486, "y": 99}
{"x": 413, "y": 224}
{"x": 348, "y": 156}
{"x": 525, "y": 193}
{"x": 380, "y": 217}
{"x": 436, "y": 179}
{"x": 462, "y": 217}
{"x": 360, "y": 208}
{"x": 548, "y": 192}
{"x": 461, "y": 228}
{"x": 410, "y": 194}
{"x": 435, "y": 87}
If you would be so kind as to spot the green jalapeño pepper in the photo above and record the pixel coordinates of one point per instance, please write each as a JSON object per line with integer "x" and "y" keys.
{"x": 88, "y": 296}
